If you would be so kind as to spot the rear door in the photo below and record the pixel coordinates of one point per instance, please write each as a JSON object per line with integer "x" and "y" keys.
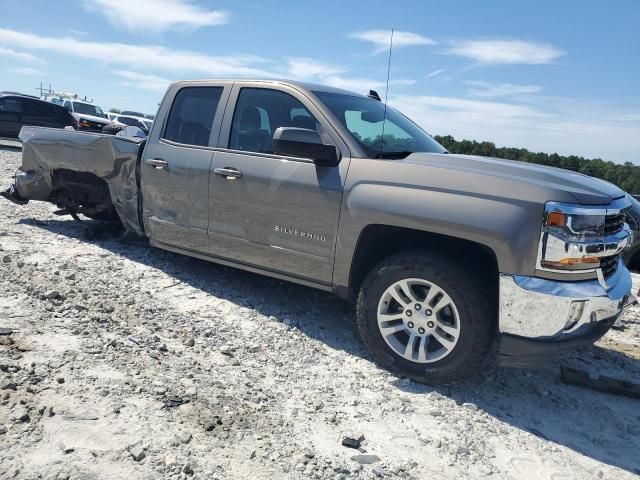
{"x": 10, "y": 116}
{"x": 176, "y": 162}
{"x": 278, "y": 213}
{"x": 36, "y": 114}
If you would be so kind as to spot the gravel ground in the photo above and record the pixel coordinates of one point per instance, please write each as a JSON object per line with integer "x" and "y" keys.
{"x": 124, "y": 361}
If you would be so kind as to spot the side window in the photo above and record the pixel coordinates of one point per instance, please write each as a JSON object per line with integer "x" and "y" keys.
{"x": 13, "y": 105}
{"x": 259, "y": 112}
{"x": 36, "y": 107}
{"x": 191, "y": 115}
{"x": 67, "y": 105}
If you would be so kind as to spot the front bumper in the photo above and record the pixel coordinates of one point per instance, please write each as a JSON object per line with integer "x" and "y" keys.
{"x": 540, "y": 317}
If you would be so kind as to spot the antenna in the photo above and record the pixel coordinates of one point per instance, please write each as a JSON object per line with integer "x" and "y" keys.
{"x": 386, "y": 93}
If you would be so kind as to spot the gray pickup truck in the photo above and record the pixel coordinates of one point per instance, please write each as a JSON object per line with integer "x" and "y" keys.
{"x": 452, "y": 261}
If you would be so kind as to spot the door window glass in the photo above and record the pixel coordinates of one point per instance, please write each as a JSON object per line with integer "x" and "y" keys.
{"x": 36, "y": 107}
{"x": 13, "y": 105}
{"x": 191, "y": 116}
{"x": 259, "y": 112}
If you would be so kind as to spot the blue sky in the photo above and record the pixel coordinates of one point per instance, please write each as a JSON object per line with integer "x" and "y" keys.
{"x": 554, "y": 76}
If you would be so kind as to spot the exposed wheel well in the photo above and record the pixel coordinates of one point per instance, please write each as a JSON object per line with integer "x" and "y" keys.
{"x": 83, "y": 192}
{"x": 379, "y": 241}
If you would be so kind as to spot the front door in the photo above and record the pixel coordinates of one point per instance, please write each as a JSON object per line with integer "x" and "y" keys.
{"x": 278, "y": 213}
{"x": 175, "y": 166}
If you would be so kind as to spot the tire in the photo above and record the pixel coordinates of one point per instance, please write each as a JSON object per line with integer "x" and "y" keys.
{"x": 111, "y": 128}
{"x": 472, "y": 311}
{"x": 631, "y": 257}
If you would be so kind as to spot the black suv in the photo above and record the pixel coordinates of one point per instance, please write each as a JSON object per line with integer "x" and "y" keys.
{"x": 17, "y": 110}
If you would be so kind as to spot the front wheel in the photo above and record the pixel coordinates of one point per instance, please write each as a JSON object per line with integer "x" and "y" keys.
{"x": 427, "y": 316}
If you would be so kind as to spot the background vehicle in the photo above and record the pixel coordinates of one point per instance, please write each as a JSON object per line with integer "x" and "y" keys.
{"x": 447, "y": 257}
{"x": 90, "y": 117}
{"x": 112, "y": 115}
{"x": 18, "y": 110}
{"x": 132, "y": 121}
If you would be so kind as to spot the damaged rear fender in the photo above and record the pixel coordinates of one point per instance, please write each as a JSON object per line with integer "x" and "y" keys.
{"x": 50, "y": 156}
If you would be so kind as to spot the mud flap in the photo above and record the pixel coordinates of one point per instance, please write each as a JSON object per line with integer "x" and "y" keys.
{"x": 12, "y": 195}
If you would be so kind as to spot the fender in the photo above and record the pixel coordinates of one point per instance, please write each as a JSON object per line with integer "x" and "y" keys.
{"x": 458, "y": 199}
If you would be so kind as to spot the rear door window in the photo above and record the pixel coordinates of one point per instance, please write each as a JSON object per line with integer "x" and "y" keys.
{"x": 13, "y": 105}
{"x": 41, "y": 109}
{"x": 191, "y": 116}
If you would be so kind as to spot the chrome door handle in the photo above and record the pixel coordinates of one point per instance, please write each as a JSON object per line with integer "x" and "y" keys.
{"x": 156, "y": 162}
{"x": 228, "y": 172}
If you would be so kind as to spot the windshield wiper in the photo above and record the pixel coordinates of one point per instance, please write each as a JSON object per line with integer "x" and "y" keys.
{"x": 394, "y": 155}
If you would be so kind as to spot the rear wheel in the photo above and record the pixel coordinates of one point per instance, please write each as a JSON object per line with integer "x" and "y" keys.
{"x": 427, "y": 316}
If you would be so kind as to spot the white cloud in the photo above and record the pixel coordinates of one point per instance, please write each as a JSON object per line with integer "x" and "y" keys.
{"x": 12, "y": 54}
{"x": 141, "y": 57}
{"x": 552, "y": 125}
{"x": 505, "y": 51}
{"x": 309, "y": 69}
{"x": 381, "y": 39}
{"x": 435, "y": 73}
{"x": 156, "y": 15}
{"x": 486, "y": 89}
{"x": 143, "y": 81}
{"x": 306, "y": 69}
{"x": 28, "y": 71}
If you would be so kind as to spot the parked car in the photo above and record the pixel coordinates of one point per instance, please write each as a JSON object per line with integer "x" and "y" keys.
{"x": 132, "y": 121}
{"x": 18, "y": 110}
{"x": 90, "y": 117}
{"x": 112, "y": 115}
{"x": 448, "y": 258}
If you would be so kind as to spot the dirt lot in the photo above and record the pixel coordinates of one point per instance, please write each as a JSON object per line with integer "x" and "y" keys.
{"x": 124, "y": 361}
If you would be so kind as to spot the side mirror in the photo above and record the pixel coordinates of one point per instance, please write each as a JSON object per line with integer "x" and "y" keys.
{"x": 372, "y": 116}
{"x": 303, "y": 142}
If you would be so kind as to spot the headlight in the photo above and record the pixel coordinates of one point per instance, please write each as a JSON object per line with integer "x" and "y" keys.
{"x": 575, "y": 225}
{"x": 576, "y": 237}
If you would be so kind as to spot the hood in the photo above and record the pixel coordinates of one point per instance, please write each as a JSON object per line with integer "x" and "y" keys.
{"x": 84, "y": 116}
{"x": 585, "y": 189}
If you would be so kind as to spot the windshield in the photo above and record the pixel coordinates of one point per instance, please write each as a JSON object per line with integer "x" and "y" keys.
{"x": 88, "y": 109}
{"x": 363, "y": 117}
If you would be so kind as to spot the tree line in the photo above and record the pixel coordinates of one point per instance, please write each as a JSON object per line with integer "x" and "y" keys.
{"x": 624, "y": 175}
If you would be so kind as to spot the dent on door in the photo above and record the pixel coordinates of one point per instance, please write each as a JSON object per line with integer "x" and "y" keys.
{"x": 176, "y": 195}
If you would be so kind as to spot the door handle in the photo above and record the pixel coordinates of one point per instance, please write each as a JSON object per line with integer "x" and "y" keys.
{"x": 156, "y": 163}
{"x": 228, "y": 172}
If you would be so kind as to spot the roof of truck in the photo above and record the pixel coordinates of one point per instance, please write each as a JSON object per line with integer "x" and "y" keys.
{"x": 312, "y": 87}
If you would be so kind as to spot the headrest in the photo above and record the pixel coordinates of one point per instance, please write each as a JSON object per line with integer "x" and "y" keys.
{"x": 250, "y": 118}
{"x": 303, "y": 121}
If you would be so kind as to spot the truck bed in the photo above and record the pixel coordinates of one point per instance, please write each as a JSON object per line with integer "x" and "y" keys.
{"x": 82, "y": 171}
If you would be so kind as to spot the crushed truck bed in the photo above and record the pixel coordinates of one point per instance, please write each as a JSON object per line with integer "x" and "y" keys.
{"x": 55, "y": 161}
